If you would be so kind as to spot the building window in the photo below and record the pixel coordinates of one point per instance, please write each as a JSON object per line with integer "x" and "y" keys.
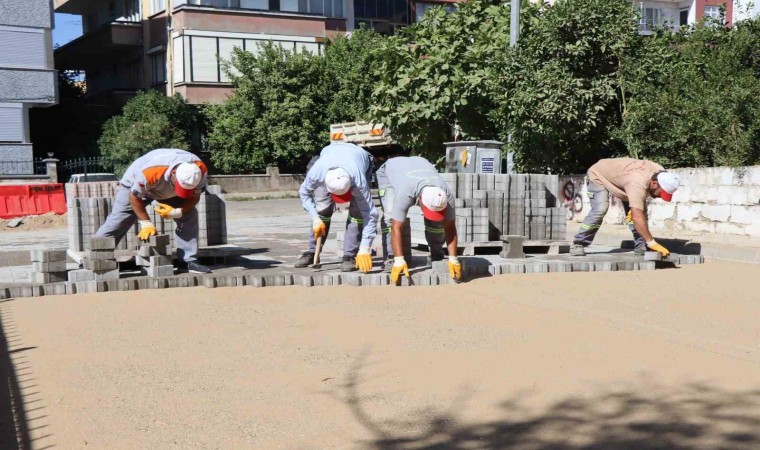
{"x": 327, "y": 8}
{"x": 712, "y": 12}
{"x": 23, "y": 48}
{"x": 421, "y": 8}
{"x": 158, "y": 66}
{"x": 158, "y": 6}
{"x": 652, "y": 16}
{"x": 201, "y": 59}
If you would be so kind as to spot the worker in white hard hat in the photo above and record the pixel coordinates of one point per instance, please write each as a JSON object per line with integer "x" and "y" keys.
{"x": 344, "y": 172}
{"x": 633, "y": 181}
{"x": 173, "y": 179}
{"x": 404, "y": 182}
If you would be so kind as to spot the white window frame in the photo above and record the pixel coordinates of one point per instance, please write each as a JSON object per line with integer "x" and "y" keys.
{"x": 714, "y": 12}
{"x": 157, "y": 6}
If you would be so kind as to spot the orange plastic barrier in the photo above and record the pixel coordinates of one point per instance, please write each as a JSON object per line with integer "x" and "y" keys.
{"x": 31, "y": 199}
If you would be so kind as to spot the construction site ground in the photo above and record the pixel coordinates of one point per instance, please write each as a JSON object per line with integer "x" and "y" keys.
{"x": 645, "y": 359}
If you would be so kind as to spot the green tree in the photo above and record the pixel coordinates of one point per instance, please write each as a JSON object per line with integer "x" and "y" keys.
{"x": 694, "y": 97}
{"x": 558, "y": 92}
{"x": 148, "y": 121}
{"x": 349, "y": 77}
{"x": 276, "y": 115}
{"x": 284, "y": 103}
{"x": 433, "y": 75}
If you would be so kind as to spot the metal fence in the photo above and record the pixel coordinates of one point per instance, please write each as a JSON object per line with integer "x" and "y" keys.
{"x": 23, "y": 167}
{"x": 86, "y": 167}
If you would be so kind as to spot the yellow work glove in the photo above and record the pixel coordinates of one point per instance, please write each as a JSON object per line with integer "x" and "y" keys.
{"x": 166, "y": 211}
{"x": 146, "y": 230}
{"x": 629, "y": 216}
{"x": 364, "y": 260}
{"x": 654, "y": 246}
{"x": 455, "y": 268}
{"x": 319, "y": 228}
{"x": 399, "y": 267}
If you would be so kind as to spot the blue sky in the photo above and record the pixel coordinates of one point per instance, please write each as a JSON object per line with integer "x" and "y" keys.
{"x": 67, "y": 28}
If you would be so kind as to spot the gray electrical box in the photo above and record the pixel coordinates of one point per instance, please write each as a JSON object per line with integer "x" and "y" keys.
{"x": 473, "y": 157}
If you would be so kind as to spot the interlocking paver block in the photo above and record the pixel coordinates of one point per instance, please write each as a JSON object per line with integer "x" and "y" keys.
{"x": 48, "y": 255}
{"x": 103, "y": 243}
{"x": 48, "y": 267}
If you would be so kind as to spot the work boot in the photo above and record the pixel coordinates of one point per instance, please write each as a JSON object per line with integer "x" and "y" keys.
{"x": 348, "y": 264}
{"x": 305, "y": 260}
{"x": 577, "y": 250}
{"x": 639, "y": 251}
{"x": 196, "y": 267}
{"x": 388, "y": 265}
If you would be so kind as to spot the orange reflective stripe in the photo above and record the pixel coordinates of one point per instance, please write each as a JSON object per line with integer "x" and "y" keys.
{"x": 154, "y": 174}
{"x": 336, "y": 137}
{"x": 201, "y": 166}
{"x": 376, "y": 132}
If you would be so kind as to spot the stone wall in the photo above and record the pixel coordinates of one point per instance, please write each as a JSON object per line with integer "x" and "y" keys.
{"x": 272, "y": 181}
{"x": 720, "y": 200}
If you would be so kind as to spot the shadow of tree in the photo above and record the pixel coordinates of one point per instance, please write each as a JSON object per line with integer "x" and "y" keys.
{"x": 695, "y": 416}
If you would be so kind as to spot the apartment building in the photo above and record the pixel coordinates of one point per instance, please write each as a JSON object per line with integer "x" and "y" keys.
{"x": 176, "y": 46}
{"x": 674, "y": 14}
{"x": 27, "y": 76}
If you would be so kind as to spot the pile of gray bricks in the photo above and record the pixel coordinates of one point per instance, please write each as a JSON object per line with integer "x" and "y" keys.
{"x": 48, "y": 266}
{"x": 492, "y": 205}
{"x": 99, "y": 262}
{"x": 154, "y": 256}
{"x": 90, "y": 203}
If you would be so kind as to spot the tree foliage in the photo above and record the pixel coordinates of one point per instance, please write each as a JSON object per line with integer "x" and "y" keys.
{"x": 148, "y": 121}
{"x": 695, "y": 97}
{"x": 284, "y": 103}
{"x": 558, "y": 92}
{"x": 432, "y": 75}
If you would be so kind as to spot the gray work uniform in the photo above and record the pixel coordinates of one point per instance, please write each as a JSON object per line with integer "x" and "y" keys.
{"x": 325, "y": 208}
{"x": 400, "y": 182}
{"x": 316, "y": 200}
{"x": 149, "y": 178}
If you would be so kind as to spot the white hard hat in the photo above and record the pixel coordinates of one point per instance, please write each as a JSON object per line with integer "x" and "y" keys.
{"x": 669, "y": 182}
{"x": 433, "y": 202}
{"x": 188, "y": 176}
{"x": 338, "y": 184}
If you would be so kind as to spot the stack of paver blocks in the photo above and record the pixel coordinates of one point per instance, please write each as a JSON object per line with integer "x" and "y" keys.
{"x": 154, "y": 256}
{"x": 88, "y": 208}
{"x": 99, "y": 262}
{"x": 492, "y": 205}
{"x": 48, "y": 266}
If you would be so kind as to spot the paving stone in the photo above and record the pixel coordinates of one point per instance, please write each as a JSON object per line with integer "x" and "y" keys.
{"x": 157, "y": 283}
{"x": 209, "y": 281}
{"x": 144, "y": 283}
{"x": 512, "y": 246}
{"x": 440, "y": 266}
{"x": 647, "y": 265}
{"x": 81, "y": 275}
{"x": 48, "y": 255}
{"x": 536, "y": 267}
{"x": 652, "y": 256}
{"x": 625, "y": 265}
{"x": 159, "y": 271}
{"x": 421, "y": 279}
{"x": 605, "y": 266}
{"x": 21, "y": 291}
{"x": 560, "y": 266}
{"x": 48, "y": 267}
{"x": 104, "y": 243}
{"x": 304, "y": 280}
{"x": 100, "y": 264}
{"x": 106, "y": 275}
{"x": 44, "y": 278}
{"x": 85, "y": 287}
{"x": 352, "y": 279}
{"x": 494, "y": 270}
{"x": 99, "y": 254}
{"x": 513, "y": 268}
{"x": 160, "y": 240}
{"x": 254, "y": 281}
{"x": 122, "y": 285}
{"x": 5, "y": 293}
{"x": 583, "y": 266}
